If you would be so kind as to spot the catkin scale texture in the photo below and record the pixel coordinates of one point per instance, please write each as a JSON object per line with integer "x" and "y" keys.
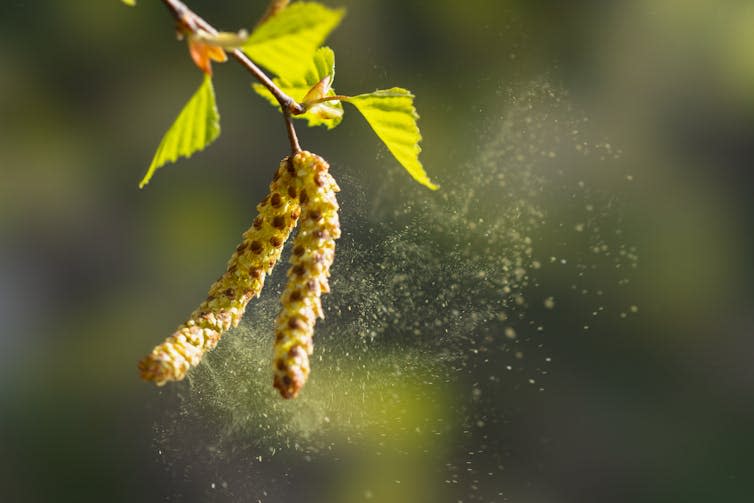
{"x": 243, "y": 280}
{"x": 311, "y": 257}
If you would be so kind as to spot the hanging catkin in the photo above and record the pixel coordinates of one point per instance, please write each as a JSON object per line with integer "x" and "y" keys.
{"x": 244, "y": 278}
{"x": 312, "y": 255}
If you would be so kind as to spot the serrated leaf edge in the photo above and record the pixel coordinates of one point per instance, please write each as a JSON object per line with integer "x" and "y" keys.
{"x": 172, "y": 136}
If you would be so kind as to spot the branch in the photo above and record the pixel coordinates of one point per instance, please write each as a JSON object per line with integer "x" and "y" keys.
{"x": 187, "y": 18}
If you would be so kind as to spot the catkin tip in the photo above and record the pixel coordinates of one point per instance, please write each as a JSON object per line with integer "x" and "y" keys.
{"x": 158, "y": 370}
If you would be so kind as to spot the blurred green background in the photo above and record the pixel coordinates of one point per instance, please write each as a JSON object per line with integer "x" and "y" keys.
{"x": 638, "y": 388}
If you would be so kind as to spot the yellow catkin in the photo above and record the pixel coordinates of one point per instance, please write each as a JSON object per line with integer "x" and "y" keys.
{"x": 243, "y": 280}
{"x": 311, "y": 257}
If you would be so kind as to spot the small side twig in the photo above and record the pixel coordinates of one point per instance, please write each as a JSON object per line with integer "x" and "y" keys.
{"x": 272, "y": 9}
{"x": 192, "y": 21}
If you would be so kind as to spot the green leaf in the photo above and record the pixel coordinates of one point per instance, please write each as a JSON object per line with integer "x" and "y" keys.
{"x": 196, "y": 127}
{"x": 392, "y": 115}
{"x": 285, "y": 43}
{"x": 129, "y": 2}
{"x": 321, "y": 66}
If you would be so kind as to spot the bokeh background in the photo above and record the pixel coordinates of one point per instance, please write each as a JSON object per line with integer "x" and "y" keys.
{"x": 569, "y": 319}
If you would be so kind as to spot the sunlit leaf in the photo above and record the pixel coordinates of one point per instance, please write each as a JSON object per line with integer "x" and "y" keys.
{"x": 129, "y": 2}
{"x": 321, "y": 65}
{"x": 285, "y": 43}
{"x": 196, "y": 127}
{"x": 317, "y": 78}
{"x": 392, "y": 115}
